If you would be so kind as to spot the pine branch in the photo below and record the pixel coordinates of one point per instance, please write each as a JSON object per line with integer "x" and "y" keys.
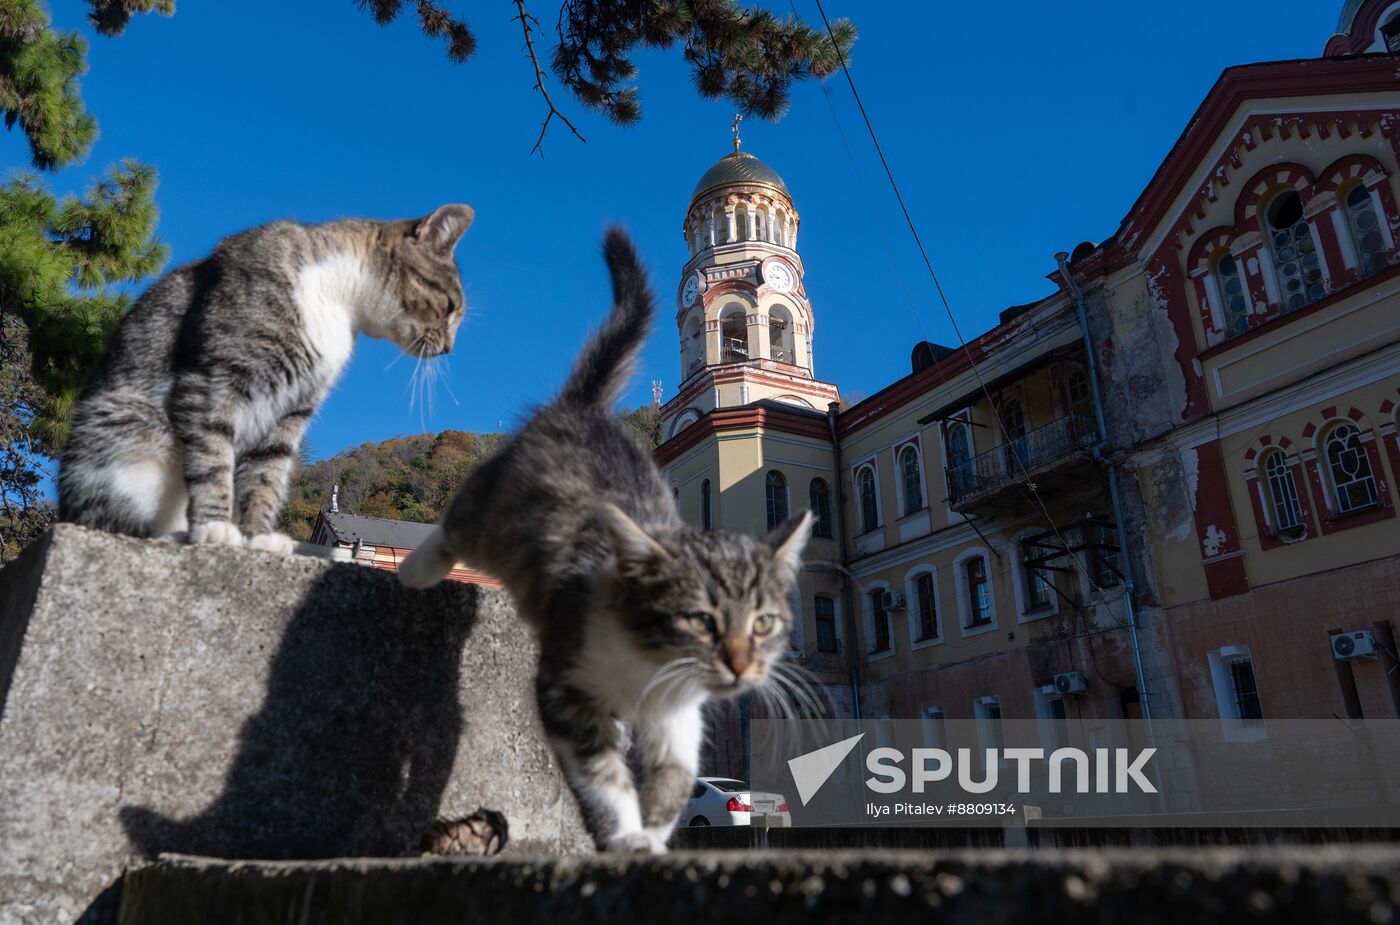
{"x": 525, "y": 19}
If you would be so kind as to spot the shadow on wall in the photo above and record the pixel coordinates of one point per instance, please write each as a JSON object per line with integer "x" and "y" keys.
{"x": 354, "y": 744}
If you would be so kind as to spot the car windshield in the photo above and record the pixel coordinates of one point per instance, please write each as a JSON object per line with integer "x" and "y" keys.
{"x": 729, "y": 786}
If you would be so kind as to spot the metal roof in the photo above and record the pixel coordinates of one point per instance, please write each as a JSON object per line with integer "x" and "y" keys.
{"x": 736, "y": 169}
{"x": 376, "y": 531}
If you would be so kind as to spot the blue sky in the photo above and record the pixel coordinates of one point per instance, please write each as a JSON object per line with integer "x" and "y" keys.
{"x": 1015, "y": 131}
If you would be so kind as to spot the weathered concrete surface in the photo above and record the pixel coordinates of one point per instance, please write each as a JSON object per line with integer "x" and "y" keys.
{"x": 156, "y": 697}
{"x": 979, "y": 888}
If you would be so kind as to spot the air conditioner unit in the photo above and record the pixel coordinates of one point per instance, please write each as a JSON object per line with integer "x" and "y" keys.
{"x": 891, "y": 600}
{"x": 1071, "y": 682}
{"x": 1356, "y": 644}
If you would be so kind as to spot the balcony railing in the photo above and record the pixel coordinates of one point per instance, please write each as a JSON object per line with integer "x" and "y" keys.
{"x": 1014, "y": 460}
{"x": 735, "y": 350}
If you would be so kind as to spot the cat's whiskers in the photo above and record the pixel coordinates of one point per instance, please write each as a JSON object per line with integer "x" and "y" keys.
{"x": 675, "y": 669}
{"x": 803, "y": 686}
{"x": 412, "y": 348}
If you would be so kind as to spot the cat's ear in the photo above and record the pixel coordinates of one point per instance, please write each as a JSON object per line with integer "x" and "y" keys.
{"x": 788, "y": 539}
{"x": 444, "y": 228}
{"x": 633, "y": 551}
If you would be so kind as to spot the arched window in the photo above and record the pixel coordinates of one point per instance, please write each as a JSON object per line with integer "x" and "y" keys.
{"x": 1281, "y": 491}
{"x": 913, "y": 480}
{"x": 1013, "y": 422}
{"x": 1348, "y": 466}
{"x": 734, "y": 335}
{"x": 820, "y": 496}
{"x": 780, "y": 335}
{"x": 1295, "y": 252}
{"x": 869, "y": 512}
{"x": 676, "y": 496}
{"x": 959, "y": 458}
{"x": 775, "y": 493}
{"x": 1366, "y": 231}
{"x": 706, "y": 516}
{"x": 742, "y": 218}
{"x": 1234, "y": 306}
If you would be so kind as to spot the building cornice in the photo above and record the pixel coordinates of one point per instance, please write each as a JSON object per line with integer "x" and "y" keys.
{"x": 747, "y": 417}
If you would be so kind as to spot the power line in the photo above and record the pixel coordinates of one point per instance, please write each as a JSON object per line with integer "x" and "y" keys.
{"x": 1031, "y": 492}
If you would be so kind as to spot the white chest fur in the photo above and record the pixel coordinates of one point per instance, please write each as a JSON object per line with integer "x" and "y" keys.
{"x": 335, "y": 294}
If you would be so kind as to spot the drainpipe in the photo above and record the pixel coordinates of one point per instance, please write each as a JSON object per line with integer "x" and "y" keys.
{"x": 848, "y": 604}
{"x": 1062, "y": 259}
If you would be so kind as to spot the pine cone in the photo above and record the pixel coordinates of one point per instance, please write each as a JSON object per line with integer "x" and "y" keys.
{"x": 481, "y": 834}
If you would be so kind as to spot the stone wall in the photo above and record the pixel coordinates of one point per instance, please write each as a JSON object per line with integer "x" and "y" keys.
{"x": 156, "y": 697}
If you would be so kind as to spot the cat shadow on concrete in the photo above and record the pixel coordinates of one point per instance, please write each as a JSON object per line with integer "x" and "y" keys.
{"x": 355, "y": 741}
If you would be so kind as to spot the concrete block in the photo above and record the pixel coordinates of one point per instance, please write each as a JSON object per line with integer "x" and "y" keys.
{"x": 157, "y": 697}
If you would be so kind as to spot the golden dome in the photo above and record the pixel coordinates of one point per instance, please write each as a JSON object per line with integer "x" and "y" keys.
{"x": 739, "y": 169}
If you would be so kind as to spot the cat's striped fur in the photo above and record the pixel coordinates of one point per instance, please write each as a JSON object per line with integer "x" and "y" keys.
{"x": 192, "y": 421}
{"x": 641, "y": 619}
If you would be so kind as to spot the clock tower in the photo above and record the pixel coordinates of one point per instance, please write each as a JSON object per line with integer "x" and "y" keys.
{"x": 742, "y": 311}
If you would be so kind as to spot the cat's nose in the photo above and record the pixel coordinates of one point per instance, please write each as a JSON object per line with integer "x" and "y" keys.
{"x": 738, "y": 662}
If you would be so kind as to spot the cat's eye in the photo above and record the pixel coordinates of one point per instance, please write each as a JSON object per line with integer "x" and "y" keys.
{"x": 700, "y": 621}
{"x": 763, "y": 624}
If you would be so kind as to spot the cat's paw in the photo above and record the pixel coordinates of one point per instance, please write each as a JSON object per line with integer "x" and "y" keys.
{"x": 216, "y": 533}
{"x": 279, "y": 544}
{"x": 635, "y": 843}
{"x": 427, "y": 565}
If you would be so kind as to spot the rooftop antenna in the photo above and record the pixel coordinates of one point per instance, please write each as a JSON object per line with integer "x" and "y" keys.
{"x": 335, "y": 499}
{"x": 656, "y": 393}
{"x": 738, "y": 117}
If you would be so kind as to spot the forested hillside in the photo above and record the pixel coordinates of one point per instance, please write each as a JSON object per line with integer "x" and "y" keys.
{"x": 407, "y": 478}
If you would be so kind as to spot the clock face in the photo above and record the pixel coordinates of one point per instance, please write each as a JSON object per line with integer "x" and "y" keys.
{"x": 691, "y": 292}
{"x": 779, "y": 276}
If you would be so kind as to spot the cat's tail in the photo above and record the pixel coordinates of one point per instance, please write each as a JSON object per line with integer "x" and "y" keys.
{"x": 607, "y": 360}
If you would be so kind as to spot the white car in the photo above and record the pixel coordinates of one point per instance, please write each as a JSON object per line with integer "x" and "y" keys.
{"x": 724, "y": 801}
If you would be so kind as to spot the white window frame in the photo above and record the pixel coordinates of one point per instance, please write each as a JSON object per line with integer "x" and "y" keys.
{"x": 871, "y": 463}
{"x": 1232, "y": 726}
{"x": 1220, "y": 310}
{"x": 964, "y": 593}
{"x": 1265, "y": 487}
{"x": 1023, "y": 594}
{"x": 911, "y": 600}
{"x": 906, "y": 443}
{"x": 869, "y": 612}
{"x": 1332, "y": 495}
{"x": 787, "y": 496}
{"x": 958, "y": 418}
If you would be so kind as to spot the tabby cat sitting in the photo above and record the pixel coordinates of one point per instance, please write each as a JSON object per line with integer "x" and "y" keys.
{"x": 191, "y": 422}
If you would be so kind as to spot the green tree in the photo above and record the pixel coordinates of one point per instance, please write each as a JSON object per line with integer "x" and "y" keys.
{"x": 24, "y": 514}
{"x": 748, "y": 56}
{"x": 645, "y": 423}
{"x": 64, "y": 265}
